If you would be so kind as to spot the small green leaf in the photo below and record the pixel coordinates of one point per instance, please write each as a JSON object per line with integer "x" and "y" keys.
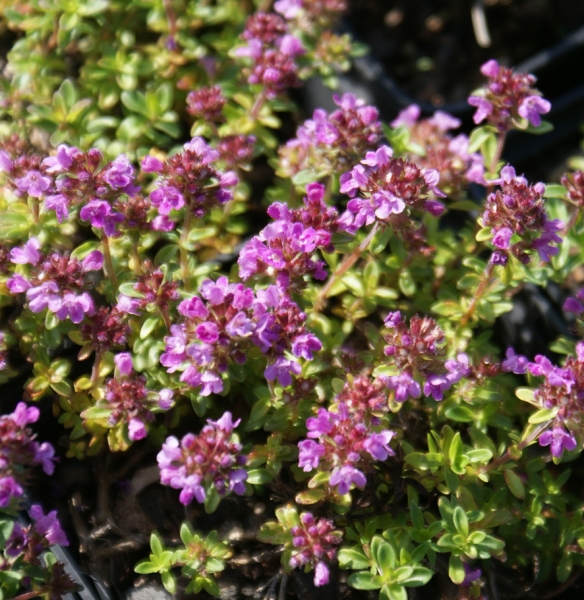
{"x": 460, "y": 521}
{"x": 456, "y": 569}
{"x": 514, "y": 483}
{"x": 364, "y": 581}
{"x": 353, "y": 558}
{"x": 543, "y": 415}
{"x": 258, "y": 476}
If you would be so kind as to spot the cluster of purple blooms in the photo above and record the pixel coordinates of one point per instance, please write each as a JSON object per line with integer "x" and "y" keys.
{"x": 283, "y": 250}
{"x": 32, "y": 541}
{"x": 54, "y": 281}
{"x": 346, "y": 439}
{"x": 331, "y": 143}
{"x": 508, "y": 97}
{"x": 344, "y": 442}
{"x": 223, "y": 325}
{"x": 19, "y": 452}
{"x": 385, "y": 189}
{"x": 72, "y": 178}
{"x": 440, "y": 151}
{"x": 417, "y": 353}
{"x": 562, "y": 390}
{"x": 273, "y": 51}
{"x": 199, "y": 462}
{"x": 129, "y": 401}
{"x": 315, "y": 541}
{"x": 518, "y": 209}
{"x": 188, "y": 179}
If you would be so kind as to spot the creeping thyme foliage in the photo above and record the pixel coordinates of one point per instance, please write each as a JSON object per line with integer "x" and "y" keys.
{"x": 325, "y": 353}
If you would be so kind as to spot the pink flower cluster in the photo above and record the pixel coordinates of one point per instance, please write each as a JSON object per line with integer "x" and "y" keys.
{"x": 518, "y": 209}
{"x": 73, "y": 178}
{"x": 331, "y": 143}
{"x": 188, "y": 179}
{"x": 199, "y": 462}
{"x": 129, "y": 401}
{"x": 507, "y": 97}
{"x": 314, "y": 542}
{"x": 562, "y": 390}
{"x": 229, "y": 320}
{"x": 417, "y": 353}
{"x": 446, "y": 154}
{"x": 284, "y": 248}
{"x": 54, "y": 281}
{"x": 386, "y": 190}
{"x": 32, "y": 541}
{"x": 19, "y": 452}
{"x": 273, "y": 51}
{"x": 347, "y": 442}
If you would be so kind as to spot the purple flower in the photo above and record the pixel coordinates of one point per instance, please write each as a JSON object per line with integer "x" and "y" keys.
{"x": 470, "y": 576}
{"x": 45, "y": 456}
{"x": 101, "y": 216}
{"x": 165, "y": 398}
{"x": 44, "y": 296}
{"x": 515, "y": 363}
{"x": 93, "y": 261}
{"x": 502, "y": 238}
{"x": 23, "y": 415}
{"x": 445, "y": 121}
{"x": 63, "y": 159}
{"x": 48, "y": 526}
{"x": 18, "y": 284}
{"x": 458, "y": 369}
{"x": 28, "y": 254}
{"x": 166, "y": 199}
{"x": 573, "y": 306}
{"x": 321, "y": 574}
{"x": 309, "y": 454}
{"x": 124, "y": 365}
{"x": 9, "y": 489}
{"x": 129, "y": 305}
{"x": 532, "y": 107}
{"x": 543, "y": 244}
{"x": 150, "y": 164}
{"x": 405, "y": 386}
{"x": 34, "y": 183}
{"x": 120, "y": 175}
{"x": 6, "y": 163}
{"x": 60, "y": 204}
{"x": 407, "y": 117}
{"x": 345, "y": 476}
{"x": 484, "y": 108}
{"x": 436, "y": 385}
{"x": 559, "y": 440}
{"x": 73, "y": 306}
{"x": 136, "y": 430}
{"x": 282, "y": 370}
{"x": 304, "y": 345}
{"x": 377, "y": 444}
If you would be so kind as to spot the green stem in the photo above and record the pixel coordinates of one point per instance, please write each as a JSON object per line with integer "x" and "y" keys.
{"x": 255, "y": 111}
{"x": 478, "y": 294}
{"x": 107, "y": 255}
{"x": 184, "y": 255}
{"x": 521, "y": 446}
{"x": 166, "y": 319}
{"x": 95, "y": 369}
{"x": 136, "y": 259}
{"x": 343, "y": 268}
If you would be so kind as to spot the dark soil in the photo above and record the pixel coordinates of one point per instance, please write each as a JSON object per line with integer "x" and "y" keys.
{"x": 430, "y": 49}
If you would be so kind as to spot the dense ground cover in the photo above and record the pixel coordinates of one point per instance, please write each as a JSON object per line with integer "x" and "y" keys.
{"x": 249, "y": 353}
